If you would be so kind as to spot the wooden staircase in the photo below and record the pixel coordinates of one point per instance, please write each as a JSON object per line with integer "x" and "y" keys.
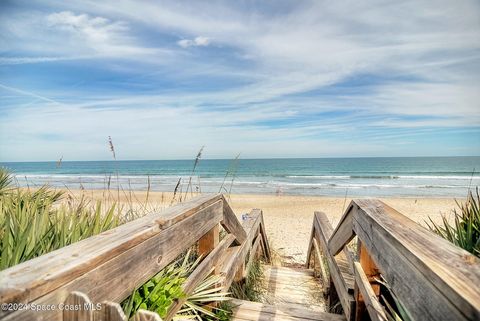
{"x": 291, "y": 293}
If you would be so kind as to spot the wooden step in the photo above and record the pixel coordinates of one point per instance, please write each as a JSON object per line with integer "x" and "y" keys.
{"x": 254, "y": 311}
{"x": 295, "y": 287}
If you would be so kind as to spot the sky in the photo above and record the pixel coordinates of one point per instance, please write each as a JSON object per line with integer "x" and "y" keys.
{"x": 260, "y": 78}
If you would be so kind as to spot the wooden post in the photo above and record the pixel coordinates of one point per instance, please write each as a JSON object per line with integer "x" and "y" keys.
{"x": 144, "y": 315}
{"x": 110, "y": 311}
{"x": 207, "y": 243}
{"x": 240, "y": 274}
{"x": 371, "y": 271}
{"x": 78, "y": 307}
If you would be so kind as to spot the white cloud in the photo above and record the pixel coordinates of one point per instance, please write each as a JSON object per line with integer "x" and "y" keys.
{"x": 96, "y": 30}
{"x": 423, "y": 60}
{"x": 68, "y": 35}
{"x": 197, "y": 42}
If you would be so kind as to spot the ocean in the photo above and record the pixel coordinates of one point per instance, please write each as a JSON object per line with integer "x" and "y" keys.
{"x": 379, "y": 177}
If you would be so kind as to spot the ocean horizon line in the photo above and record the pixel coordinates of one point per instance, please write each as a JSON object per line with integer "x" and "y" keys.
{"x": 228, "y": 159}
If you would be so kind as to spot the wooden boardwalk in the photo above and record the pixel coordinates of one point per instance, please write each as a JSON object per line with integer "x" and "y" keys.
{"x": 291, "y": 293}
{"x": 297, "y": 288}
{"x": 251, "y": 311}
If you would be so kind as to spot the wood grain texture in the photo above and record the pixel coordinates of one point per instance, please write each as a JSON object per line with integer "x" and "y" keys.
{"x": 370, "y": 269}
{"x": 373, "y": 306}
{"x": 423, "y": 269}
{"x": 144, "y": 315}
{"x": 235, "y": 256}
{"x": 115, "y": 279}
{"x": 253, "y": 253}
{"x": 78, "y": 307}
{"x": 231, "y": 224}
{"x": 344, "y": 290}
{"x": 266, "y": 246}
{"x": 246, "y": 310}
{"x": 296, "y": 287}
{"x": 207, "y": 242}
{"x": 110, "y": 311}
{"x": 323, "y": 268}
{"x": 309, "y": 260}
{"x": 343, "y": 233}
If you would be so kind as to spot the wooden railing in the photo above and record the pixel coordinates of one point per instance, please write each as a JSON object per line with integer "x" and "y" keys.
{"x": 431, "y": 278}
{"x": 97, "y": 273}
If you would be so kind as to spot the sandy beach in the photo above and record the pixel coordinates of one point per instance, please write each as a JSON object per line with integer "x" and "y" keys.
{"x": 288, "y": 218}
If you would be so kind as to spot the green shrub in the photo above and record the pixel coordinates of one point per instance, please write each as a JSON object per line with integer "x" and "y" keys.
{"x": 465, "y": 229}
{"x": 163, "y": 289}
{"x": 159, "y": 292}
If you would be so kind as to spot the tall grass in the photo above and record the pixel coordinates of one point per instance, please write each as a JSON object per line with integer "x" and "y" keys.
{"x": 33, "y": 223}
{"x": 464, "y": 231}
{"x": 250, "y": 289}
{"x": 232, "y": 172}
{"x": 195, "y": 164}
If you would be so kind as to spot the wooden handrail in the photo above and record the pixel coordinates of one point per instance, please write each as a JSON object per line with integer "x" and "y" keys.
{"x": 432, "y": 278}
{"x": 341, "y": 277}
{"x": 108, "y": 267}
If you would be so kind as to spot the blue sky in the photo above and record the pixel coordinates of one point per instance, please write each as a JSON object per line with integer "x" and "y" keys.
{"x": 264, "y": 79}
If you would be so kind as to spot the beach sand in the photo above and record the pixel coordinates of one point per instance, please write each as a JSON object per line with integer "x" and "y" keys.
{"x": 288, "y": 218}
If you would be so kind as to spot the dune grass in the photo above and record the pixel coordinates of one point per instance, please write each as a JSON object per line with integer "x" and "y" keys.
{"x": 250, "y": 289}
{"x": 36, "y": 222}
{"x": 464, "y": 231}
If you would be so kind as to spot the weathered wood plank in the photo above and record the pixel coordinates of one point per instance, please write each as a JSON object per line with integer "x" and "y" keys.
{"x": 266, "y": 246}
{"x": 323, "y": 268}
{"x": 369, "y": 268}
{"x": 209, "y": 241}
{"x": 110, "y": 311}
{"x": 423, "y": 269}
{"x": 269, "y": 311}
{"x": 343, "y": 233}
{"x": 235, "y": 256}
{"x": 200, "y": 273}
{"x": 253, "y": 253}
{"x": 78, "y": 307}
{"x": 132, "y": 267}
{"x": 310, "y": 246}
{"x": 231, "y": 224}
{"x": 375, "y": 309}
{"x": 144, "y": 315}
{"x": 32, "y": 279}
{"x": 323, "y": 232}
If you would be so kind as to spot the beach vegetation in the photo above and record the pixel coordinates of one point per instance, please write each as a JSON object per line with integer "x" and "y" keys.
{"x": 464, "y": 229}
{"x": 231, "y": 174}
{"x": 35, "y": 222}
{"x": 161, "y": 291}
{"x": 251, "y": 288}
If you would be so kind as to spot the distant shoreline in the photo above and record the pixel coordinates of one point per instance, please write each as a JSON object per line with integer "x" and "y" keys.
{"x": 335, "y": 177}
